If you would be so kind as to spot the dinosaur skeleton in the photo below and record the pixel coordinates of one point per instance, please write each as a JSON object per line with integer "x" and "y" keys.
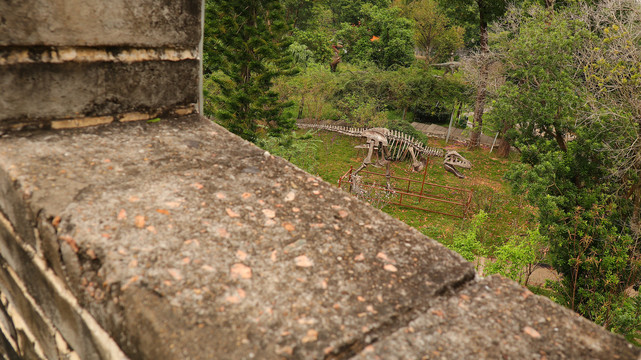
{"x": 396, "y": 146}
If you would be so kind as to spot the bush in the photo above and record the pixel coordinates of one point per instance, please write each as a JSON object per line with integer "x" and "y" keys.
{"x": 467, "y": 243}
{"x": 301, "y": 150}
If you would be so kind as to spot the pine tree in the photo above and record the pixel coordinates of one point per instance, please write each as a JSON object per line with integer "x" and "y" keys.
{"x": 245, "y": 49}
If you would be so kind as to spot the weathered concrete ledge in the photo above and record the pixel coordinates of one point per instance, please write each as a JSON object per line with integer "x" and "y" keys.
{"x": 178, "y": 240}
{"x": 87, "y": 62}
{"x": 495, "y": 318}
{"x": 39, "y": 93}
{"x": 141, "y": 23}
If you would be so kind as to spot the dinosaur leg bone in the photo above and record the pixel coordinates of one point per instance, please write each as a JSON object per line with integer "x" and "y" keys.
{"x": 383, "y": 156}
{"x": 417, "y": 165}
{"x": 370, "y": 151}
{"x": 386, "y": 155}
{"x": 368, "y": 159}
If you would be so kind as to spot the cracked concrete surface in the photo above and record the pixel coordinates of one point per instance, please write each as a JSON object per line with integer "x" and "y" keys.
{"x": 184, "y": 241}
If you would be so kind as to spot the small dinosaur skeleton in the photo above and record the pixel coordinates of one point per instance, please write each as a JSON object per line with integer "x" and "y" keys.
{"x": 395, "y": 146}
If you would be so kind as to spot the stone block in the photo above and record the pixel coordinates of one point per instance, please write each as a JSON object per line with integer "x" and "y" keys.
{"x": 142, "y": 23}
{"x": 496, "y": 318}
{"x": 37, "y": 93}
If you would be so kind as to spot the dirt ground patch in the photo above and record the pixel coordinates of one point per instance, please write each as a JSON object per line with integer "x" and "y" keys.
{"x": 541, "y": 274}
{"x": 493, "y": 184}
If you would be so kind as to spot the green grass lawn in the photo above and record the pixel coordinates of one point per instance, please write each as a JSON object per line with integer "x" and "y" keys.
{"x": 507, "y": 214}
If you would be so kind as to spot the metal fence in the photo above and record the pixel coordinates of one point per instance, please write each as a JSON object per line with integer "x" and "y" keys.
{"x": 415, "y": 194}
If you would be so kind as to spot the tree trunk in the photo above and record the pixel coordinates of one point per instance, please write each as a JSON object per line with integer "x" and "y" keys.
{"x": 560, "y": 139}
{"x": 301, "y": 107}
{"x": 481, "y": 90}
{"x": 504, "y": 146}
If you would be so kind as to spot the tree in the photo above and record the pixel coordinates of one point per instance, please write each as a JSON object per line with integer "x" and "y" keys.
{"x": 540, "y": 99}
{"x": 312, "y": 89}
{"x": 566, "y": 170}
{"x": 468, "y": 243}
{"x": 465, "y": 15}
{"x": 487, "y": 11}
{"x": 316, "y": 31}
{"x": 612, "y": 67}
{"x": 349, "y": 11}
{"x": 298, "y": 13}
{"x": 383, "y": 37}
{"x": 434, "y": 33}
{"x": 517, "y": 259}
{"x": 245, "y": 41}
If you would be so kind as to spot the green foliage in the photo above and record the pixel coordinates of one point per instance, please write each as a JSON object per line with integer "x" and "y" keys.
{"x": 542, "y": 93}
{"x": 299, "y": 14}
{"x": 349, "y": 11}
{"x": 595, "y": 259}
{"x": 467, "y": 243}
{"x": 434, "y": 32}
{"x": 626, "y": 320}
{"x": 565, "y": 171}
{"x": 612, "y": 70}
{"x": 363, "y": 96}
{"x": 517, "y": 257}
{"x": 301, "y": 150}
{"x": 301, "y": 54}
{"x": 406, "y": 128}
{"x": 312, "y": 90}
{"x": 474, "y": 14}
{"x": 382, "y": 37}
{"x": 245, "y": 42}
{"x": 589, "y": 243}
{"x": 432, "y": 94}
{"x": 319, "y": 42}
{"x": 411, "y": 88}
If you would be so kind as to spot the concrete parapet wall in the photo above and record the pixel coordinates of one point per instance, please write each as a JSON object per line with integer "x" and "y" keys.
{"x": 140, "y": 23}
{"x": 67, "y": 63}
{"x": 94, "y": 89}
{"x": 179, "y": 240}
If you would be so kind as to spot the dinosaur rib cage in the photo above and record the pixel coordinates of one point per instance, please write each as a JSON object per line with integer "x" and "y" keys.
{"x": 398, "y": 143}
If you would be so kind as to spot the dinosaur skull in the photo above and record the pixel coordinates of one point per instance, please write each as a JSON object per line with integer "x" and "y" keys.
{"x": 454, "y": 158}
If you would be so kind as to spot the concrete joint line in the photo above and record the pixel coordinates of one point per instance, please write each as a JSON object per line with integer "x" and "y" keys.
{"x": 403, "y": 319}
{"x": 124, "y": 117}
{"x": 103, "y": 340}
{"x": 59, "y": 55}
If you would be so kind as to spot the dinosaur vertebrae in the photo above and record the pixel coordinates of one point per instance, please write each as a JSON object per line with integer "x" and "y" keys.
{"x": 397, "y": 142}
{"x": 350, "y": 131}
